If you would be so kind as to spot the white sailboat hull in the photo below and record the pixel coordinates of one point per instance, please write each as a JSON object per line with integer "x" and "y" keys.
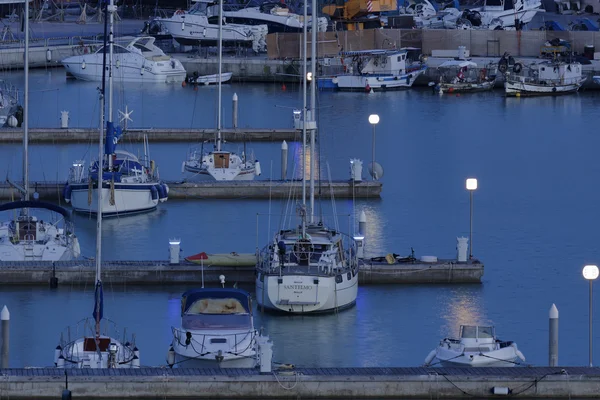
{"x": 50, "y": 251}
{"x": 299, "y": 293}
{"x": 128, "y": 199}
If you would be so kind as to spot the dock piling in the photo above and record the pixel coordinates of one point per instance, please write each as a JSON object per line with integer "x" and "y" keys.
{"x": 362, "y": 223}
{"x": 553, "y": 337}
{"x": 284, "y": 157}
{"x": 235, "y": 111}
{"x": 5, "y": 318}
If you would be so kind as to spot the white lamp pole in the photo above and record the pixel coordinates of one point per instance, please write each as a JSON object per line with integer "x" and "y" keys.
{"x": 590, "y": 272}
{"x": 471, "y": 187}
{"x": 373, "y": 120}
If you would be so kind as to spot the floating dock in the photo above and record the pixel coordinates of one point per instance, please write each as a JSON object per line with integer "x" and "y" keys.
{"x": 86, "y": 135}
{"x": 257, "y": 189}
{"x": 301, "y": 383}
{"x": 164, "y": 273}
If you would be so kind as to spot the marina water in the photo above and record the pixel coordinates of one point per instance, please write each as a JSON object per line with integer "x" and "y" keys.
{"x": 535, "y": 225}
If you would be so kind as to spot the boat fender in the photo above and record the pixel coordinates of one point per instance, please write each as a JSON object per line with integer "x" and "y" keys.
{"x": 48, "y": 55}
{"x": 430, "y": 358}
{"x": 67, "y": 193}
{"x": 163, "y": 192}
{"x": 517, "y": 68}
{"x": 517, "y": 351}
{"x": 154, "y": 192}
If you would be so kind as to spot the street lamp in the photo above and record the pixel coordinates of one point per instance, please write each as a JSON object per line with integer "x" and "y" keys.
{"x": 373, "y": 120}
{"x": 590, "y": 272}
{"x": 471, "y": 187}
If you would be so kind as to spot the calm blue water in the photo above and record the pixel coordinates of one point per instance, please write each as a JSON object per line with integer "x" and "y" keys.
{"x": 535, "y": 217}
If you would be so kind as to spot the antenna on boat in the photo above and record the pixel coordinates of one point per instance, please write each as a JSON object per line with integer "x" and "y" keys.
{"x": 220, "y": 49}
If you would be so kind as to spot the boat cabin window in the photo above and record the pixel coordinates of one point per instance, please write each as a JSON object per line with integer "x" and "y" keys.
{"x": 116, "y": 49}
{"x": 198, "y": 8}
{"x": 401, "y": 57}
{"x": 474, "y": 332}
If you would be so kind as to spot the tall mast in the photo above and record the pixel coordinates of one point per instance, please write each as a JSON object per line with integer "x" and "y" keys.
{"x": 304, "y": 111}
{"x": 26, "y": 108}
{"x": 313, "y": 70}
{"x": 220, "y": 49}
{"x": 109, "y": 116}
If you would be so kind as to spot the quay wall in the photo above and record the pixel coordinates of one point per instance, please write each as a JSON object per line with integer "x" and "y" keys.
{"x": 313, "y": 383}
{"x": 163, "y": 273}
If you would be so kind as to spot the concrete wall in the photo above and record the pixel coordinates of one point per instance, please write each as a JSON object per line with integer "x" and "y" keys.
{"x": 481, "y": 43}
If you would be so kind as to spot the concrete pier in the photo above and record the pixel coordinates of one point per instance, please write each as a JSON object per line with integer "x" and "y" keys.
{"x": 163, "y": 273}
{"x": 85, "y": 135}
{"x": 257, "y": 189}
{"x": 301, "y": 383}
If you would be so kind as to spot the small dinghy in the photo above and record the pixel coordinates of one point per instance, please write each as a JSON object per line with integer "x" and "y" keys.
{"x": 477, "y": 347}
{"x": 197, "y": 79}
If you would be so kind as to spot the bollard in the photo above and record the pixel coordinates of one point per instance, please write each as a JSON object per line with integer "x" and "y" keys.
{"x": 553, "y": 337}
{"x": 174, "y": 250}
{"x": 235, "y": 111}
{"x": 5, "y": 318}
{"x": 362, "y": 223}
{"x": 284, "y": 156}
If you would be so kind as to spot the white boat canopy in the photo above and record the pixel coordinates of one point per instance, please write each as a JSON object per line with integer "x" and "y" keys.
{"x": 458, "y": 64}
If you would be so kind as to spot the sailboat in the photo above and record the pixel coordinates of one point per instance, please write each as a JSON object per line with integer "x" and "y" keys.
{"x": 219, "y": 164}
{"x": 130, "y": 185}
{"x": 310, "y": 268}
{"x": 94, "y": 345}
{"x": 25, "y": 237}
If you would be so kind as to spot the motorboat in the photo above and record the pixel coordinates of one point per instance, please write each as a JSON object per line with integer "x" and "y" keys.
{"x": 94, "y": 342}
{"x": 376, "y": 70}
{"x": 30, "y": 238}
{"x": 311, "y": 267}
{"x": 462, "y": 76}
{"x": 9, "y": 105}
{"x": 192, "y": 28}
{"x": 139, "y": 61}
{"x": 26, "y": 236}
{"x": 276, "y": 15}
{"x": 128, "y": 185}
{"x": 545, "y": 78}
{"x": 196, "y": 79}
{"x": 219, "y": 164}
{"x": 476, "y": 347}
{"x": 217, "y": 330}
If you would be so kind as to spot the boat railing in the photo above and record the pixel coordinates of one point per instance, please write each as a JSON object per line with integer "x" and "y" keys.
{"x": 81, "y": 44}
{"x": 200, "y": 342}
{"x": 87, "y": 327}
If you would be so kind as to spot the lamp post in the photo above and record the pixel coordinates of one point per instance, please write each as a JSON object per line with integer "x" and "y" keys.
{"x": 373, "y": 120}
{"x": 471, "y": 187}
{"x": 590, "y": 272}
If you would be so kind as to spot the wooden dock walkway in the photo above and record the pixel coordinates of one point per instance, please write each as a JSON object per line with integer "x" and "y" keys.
{"x": 161, "y": 272}
{"x": 257, "y": 189}
{"x": 305, "y": 383}
{"x": 84, "y": 135}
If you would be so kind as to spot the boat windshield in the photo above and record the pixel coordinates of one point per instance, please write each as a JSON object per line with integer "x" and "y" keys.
{"x": 475, "y": 332}
{"x": 198, "y": 8}
{"x": 210, "y": 313}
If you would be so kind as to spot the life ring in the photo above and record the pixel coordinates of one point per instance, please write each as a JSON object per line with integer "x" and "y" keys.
{"x": 179, "y": 11}
{"x": 517, "y": 68}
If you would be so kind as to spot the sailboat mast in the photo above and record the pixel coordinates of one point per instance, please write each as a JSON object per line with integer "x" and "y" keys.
{"x": 220, "y": 49}
{"x": 304, "y": 111}
{"x": 313, "y": 70}
{"x": 26, "y": 108}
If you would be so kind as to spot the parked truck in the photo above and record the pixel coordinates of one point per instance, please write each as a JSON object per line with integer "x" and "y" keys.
{"x": 358, "y": 14}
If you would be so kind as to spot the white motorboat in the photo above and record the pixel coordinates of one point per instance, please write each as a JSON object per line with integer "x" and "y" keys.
{"x": 139, "y": 61}
{"x": 26, "y": 237}
{"x": 376, "y": 70}
{"x": 94, "y": 342}
{"x": 476, "y": 347}
{"x": 217, "y": 330}
{"x": 545, "y": 78}
{"x": 193, "y": 28}
{"x": 219, "y": 164}
{"x": 196, "y": 79}
{"x": 9, "y": 105}
{"x": 311, "y": 268}
{"x": 463, "y": 76}
{"x": 276, "y": 15}
{"x": 129, "y": 185}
